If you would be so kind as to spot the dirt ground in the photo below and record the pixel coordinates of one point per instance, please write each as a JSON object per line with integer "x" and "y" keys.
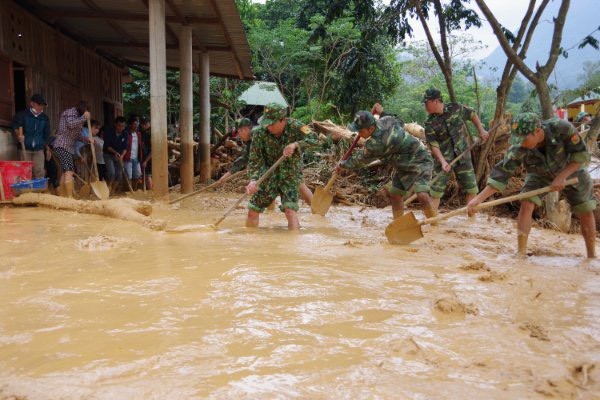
{"x": 102, "y": 308}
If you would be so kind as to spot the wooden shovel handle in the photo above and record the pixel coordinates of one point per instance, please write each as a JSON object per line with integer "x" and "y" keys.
{"x": 93, "y": 148}
{"x": 346, "y": 155}
{"x": 493, "y": 203}
{"x": 258, "y": 183}
{"x": 211, "y": 186}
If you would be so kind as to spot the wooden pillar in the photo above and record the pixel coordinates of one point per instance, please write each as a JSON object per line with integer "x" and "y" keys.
{"x": 158, "y": 97}
{"x": 204, "y": 145}
{"x": 186, "y": 126}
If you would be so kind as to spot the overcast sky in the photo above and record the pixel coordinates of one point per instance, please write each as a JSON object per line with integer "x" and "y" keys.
{"x": 508, "y": 12}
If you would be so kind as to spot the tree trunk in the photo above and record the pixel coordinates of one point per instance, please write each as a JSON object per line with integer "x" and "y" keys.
{"x": 541, "y": 86}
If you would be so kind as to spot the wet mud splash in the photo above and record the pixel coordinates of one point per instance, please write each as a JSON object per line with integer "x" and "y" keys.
{"x": 99, "y": 308}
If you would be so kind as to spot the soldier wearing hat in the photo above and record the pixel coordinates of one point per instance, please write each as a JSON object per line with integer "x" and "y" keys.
{"x": 35, "y": 134}
{"x": 551, "y": 151}
{"x": 388, "y": 142}
{"x": 275, "y": 136}
{"x": 446, "y": 134}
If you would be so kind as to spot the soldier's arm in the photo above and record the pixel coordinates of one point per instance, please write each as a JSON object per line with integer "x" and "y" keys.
{"x": 506, "y": 168}
{"x": 468, "y": 114}
{"x": 363, "y": 157}
{"x": 574, "y": 146}
{"x": 433, "y": 144}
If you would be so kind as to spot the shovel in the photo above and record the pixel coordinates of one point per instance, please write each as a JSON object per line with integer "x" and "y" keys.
{"x": 99, "y": 187}
{"x": 258, "y": 183}
{"x": 85, "y": 189}
{"x": 211, "y": 186}
{"x": 22, "y": 144}
{"x": 407, "y": 229}
{"x": 323, "y": 197}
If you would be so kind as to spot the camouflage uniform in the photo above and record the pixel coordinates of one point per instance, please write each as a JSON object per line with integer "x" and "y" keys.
{"x": 266, "y": 150}
{"x": 447, "y": 132}
{"x": 390, "y": 144}
{"x": 562, "y": 146}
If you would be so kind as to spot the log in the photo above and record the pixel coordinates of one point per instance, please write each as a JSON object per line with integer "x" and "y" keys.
{"x": 122, "y": 208}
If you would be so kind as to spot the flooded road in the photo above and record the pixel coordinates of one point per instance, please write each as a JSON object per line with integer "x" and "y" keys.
{"x": 98, "y": 308}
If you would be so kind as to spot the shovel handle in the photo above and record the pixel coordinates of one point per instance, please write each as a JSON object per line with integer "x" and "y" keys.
{"x": 258, "y": 183}
{"x": 93, "y": 148}
{"x": 493, "y": 203}
{"x": 346, "y": 155}
{"x": 211, "y": 186}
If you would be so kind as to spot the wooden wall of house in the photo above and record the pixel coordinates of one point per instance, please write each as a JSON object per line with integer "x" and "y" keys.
{"x": 63, "y": 70}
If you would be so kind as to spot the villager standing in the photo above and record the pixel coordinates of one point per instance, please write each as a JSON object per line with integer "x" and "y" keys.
{"x": 446, "y": 134}
{"x": 551, "y": 151}
{"x": 35, "y": 133}
{"x": 70, "y": 129}
{"x": 115, "y": 147}
{"x": 147, "y": 151}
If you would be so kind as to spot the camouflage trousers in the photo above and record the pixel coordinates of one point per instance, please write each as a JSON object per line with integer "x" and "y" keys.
{"x": 413, "y": 172}
{"x": 465, "y": 175}
{"x": 579, "y": 196}
{"x": 278, "y": 185}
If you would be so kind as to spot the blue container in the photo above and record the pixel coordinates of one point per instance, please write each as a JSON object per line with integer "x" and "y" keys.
{"x": 34, "y": 185}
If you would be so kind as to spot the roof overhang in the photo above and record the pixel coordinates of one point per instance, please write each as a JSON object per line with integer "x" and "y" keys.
{"x": 119, "y": 30}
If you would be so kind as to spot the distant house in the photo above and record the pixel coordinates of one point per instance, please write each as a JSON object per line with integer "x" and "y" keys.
{"x": 257, "y": 96}
{"x": 589, "y": 104}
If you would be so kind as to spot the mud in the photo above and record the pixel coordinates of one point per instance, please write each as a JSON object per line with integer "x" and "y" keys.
{"x": 102, "y": 308}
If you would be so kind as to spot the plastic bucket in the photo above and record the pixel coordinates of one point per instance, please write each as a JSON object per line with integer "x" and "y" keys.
{"x": 14, "y": 172}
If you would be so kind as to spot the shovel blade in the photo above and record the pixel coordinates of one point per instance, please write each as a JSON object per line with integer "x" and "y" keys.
{"x": 321, "y": 201}
{"x": 100, "y": 190}
{"x": 404, "y": 230}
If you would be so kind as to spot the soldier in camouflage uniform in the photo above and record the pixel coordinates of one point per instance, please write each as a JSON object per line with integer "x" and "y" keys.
{"x": 389, "y": 143}
{"x": 243, "y": 127}
{"x": 446, "y": 134}
{"x": 277, "y": 136}
{"x": 552, "y": 152}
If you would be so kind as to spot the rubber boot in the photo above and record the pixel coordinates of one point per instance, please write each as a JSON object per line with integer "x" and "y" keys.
{"x": 522, "y": 243}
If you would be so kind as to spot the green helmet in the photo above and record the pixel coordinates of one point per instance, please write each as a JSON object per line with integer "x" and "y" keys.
{"x": 581, "y": 115}
{"x": 242, "y": 122}
{"x": 362, "y": 119}
{"x": 432, "y": 94}
{"x": 523, "y": 125}
{"x": 272, "y": 113}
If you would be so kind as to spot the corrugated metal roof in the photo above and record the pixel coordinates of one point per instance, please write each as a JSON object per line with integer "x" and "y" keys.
{"x": 262, "y": 93}
{"x": 119, "y": 30}
{"x": 592, "y": 97}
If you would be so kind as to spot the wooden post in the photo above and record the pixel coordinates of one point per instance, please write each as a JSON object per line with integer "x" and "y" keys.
{"x": 204, "y": 142}
{"x": 158, "y": 97}
{"x": 186, "y": 127}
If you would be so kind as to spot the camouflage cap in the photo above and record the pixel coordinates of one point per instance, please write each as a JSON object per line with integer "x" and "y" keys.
{"x": 362, "y": 119}
{"x": 523, "y": 125}
{"x": 272, "y": 113}
{"x": 432, "y": 94}
{"x": 242, "y": 122}
{"x": 581, "y": 115}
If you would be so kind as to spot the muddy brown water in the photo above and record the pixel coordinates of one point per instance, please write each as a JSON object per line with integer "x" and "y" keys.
{"x": 97, "y": 308}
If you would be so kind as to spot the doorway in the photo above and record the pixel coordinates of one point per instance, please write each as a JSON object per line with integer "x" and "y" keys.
{"x": 20, "y": 97}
